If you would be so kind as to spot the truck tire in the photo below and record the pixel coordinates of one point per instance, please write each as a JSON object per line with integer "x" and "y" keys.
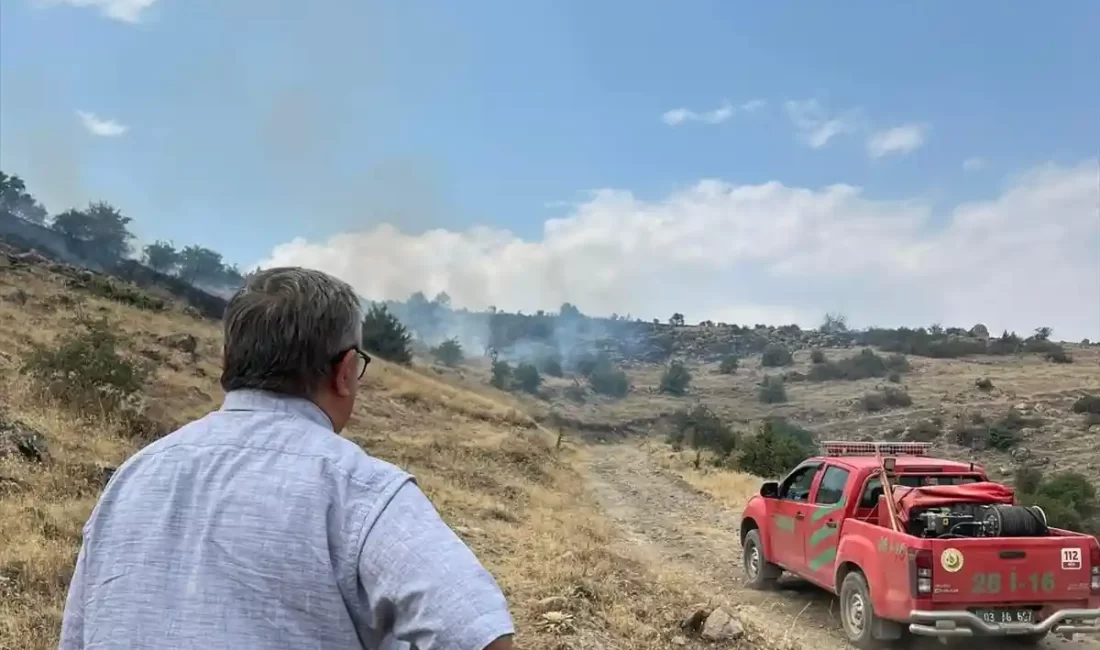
{"x": 759, "y": 573}
{"x": 863, "y": 628}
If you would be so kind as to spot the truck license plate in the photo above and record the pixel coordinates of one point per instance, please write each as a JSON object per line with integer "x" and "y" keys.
{"x": 1006, "y": 615}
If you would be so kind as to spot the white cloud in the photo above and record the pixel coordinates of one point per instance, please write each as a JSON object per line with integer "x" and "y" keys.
{"x": 678, "y": 116}
{"x": 765, "y": 253}
{"x": 899, "y": 139}
{"x": 101, "y": 127}
{"x": 753, "y": 105}
{"x": 127, "y": 11}
{"x": 814, "y": 124}
{"x": 974, "y": 164}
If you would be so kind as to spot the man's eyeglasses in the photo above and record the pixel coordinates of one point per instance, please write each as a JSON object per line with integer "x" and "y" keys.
{"x": 364, "y": 359}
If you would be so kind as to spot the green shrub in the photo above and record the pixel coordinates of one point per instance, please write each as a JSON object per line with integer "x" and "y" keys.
{"x": 887, "y": 397}
{"x": 606, "y": 379}
{"x": 772, "y": 390}
{"x": 675, "y": 379}
{"x": 1059, "y": 355}
{"x": 1002, "y": 434}
{"x": 1087, "y": 404}
{"x": 526, "y": 378}
{"x": 894, "y": 378}
{"x": 85, "y": 370}
{"x": 817, "y": 356}
{"x": 864, "y": 365}
{"x": 1068, "y": 498}
{"x": 449, "y": 352}
{"x": 701, "y": 428}
{"x": 728, "y": 365}
{"x": 775, "y": 356}
{"x": 501, "y": 375}
{"x": 385, "y": 336}
{"x": 771, "y": 453}
{"x": 984, "y": 384}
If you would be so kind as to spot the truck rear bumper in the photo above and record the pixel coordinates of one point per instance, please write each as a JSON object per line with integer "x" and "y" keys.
{"x": 964, "y": 623}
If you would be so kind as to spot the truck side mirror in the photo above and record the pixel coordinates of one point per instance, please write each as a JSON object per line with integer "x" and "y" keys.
{"x": 769, "y": 489}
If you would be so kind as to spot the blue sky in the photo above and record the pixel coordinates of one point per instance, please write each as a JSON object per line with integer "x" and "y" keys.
{"x": 244, "y": 125}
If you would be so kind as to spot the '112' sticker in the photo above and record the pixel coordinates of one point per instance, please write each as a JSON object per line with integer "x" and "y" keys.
{"x": 1071, "y": 559}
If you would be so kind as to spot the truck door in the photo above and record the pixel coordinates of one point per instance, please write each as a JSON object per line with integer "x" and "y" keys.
{"x": 790, "y": 518}
{"x": 822, "y": 533}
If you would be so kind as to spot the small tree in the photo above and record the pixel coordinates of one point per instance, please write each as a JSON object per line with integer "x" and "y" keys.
{"x": 526, "y": 377}
{"x": 772, "y": 390}
{"x": 449, "y": 352}
{"x": 502, "y": 375}
{"x": 100, "y": 229}
{"x": 770, "y": 453}
{"x": 161, "y": 256}
{"x": 675, "y": 379}
{"x": 834, "y": 324}
{"x": 385, "y": 336}
{"x": 15, "y": 200}
{"x": 199, "y": 264}
{"x": 676, "y": 320}
{"x": 606, "y": 379}
{"x": 701, "y": 428}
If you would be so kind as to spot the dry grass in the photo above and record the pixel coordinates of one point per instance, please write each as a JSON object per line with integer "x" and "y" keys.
{"x": 729, "y": 488}
{"x": 509, "y": 490}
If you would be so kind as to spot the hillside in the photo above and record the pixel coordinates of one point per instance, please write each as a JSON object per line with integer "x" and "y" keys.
{"x": 504, "y": 482}
{"x": 960, "y": 405}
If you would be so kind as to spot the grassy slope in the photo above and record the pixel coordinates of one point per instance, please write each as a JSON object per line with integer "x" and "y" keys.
{"x": 493, "y": 473}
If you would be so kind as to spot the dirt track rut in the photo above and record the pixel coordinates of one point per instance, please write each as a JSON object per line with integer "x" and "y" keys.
{"x": 672, "y": 523}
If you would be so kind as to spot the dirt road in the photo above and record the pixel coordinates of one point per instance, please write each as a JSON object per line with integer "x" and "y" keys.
{"x": 672, "y": 523}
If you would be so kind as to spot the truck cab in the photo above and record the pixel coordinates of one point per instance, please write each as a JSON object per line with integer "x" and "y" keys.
{"x": 867, "y": 521}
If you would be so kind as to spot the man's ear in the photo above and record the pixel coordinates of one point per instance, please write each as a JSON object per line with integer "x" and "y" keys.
{"x": 343, "y": 380}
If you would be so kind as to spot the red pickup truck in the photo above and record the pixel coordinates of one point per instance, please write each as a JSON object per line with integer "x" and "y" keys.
{"x": 915, "y": 545}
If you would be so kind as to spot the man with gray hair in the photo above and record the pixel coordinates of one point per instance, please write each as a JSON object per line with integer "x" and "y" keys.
{"x": 258, "y": 527}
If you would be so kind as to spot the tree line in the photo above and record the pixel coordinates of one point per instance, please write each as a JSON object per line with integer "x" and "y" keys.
{"x": 101, "y": 234}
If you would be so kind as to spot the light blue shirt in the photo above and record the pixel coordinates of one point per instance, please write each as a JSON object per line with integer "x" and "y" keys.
{"x": 257, "y": 527}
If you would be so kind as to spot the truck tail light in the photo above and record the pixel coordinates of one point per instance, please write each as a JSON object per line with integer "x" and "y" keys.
{"x": 920, "y": 573}
{"x": 1095, "y": 582}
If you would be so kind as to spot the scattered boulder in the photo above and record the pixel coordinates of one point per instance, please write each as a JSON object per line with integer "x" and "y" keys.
{"x": 720, "y": 626}
{"x": 17, "y": 438}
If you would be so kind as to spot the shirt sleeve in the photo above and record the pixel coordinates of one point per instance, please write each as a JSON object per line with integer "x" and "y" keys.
{"x": 423, "y": 585}
{"x": 72, "y": 621}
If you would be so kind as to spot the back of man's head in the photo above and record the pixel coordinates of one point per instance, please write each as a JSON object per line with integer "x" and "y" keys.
{"x": 284, "y": 328}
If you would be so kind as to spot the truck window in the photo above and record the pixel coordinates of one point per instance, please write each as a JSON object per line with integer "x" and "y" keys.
{"x": 798, "y": 484}
{"x": 873, "y": 489}
{"x": 831, "y": 489}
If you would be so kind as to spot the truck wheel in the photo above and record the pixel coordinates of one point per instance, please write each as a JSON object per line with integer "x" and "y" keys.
{"x": 759, "y": 573}
{"x": 863, "y": 628}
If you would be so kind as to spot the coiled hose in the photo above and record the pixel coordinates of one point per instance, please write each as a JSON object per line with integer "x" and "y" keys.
{"x": 1015, "y": 521}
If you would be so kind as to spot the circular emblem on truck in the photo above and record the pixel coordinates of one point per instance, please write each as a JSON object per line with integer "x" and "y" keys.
{"x": 952, "y": 560}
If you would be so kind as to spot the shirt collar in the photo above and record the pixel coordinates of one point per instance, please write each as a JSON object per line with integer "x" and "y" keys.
{"x": 248, "y": 399}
